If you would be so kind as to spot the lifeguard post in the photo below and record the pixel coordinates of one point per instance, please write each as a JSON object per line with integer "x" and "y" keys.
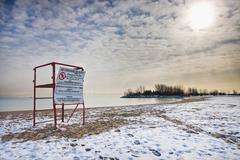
{"x": 67, "y": 88}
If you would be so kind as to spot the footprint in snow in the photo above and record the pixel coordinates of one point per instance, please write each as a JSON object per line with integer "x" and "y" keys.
{"x": 134, "y": 155}
{"x": 76, "y": 158}
{"x": 73, "y": 144}
{"x": 137, "y": 142}
{"x": 155, "y": 152}
{"x": 184, "y": 145}
{"x": 130, "y": 135}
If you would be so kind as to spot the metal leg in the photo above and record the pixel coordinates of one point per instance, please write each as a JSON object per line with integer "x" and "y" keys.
{"x": 34, "y": 99}
{"x": 63, "y": 112}
{"x": 55, "y": 116}
{"x": 54, "y": 105}
{"x": 34, "y": 121}
{"x": 83, "y": 113}
{"x": 72, "y": 113}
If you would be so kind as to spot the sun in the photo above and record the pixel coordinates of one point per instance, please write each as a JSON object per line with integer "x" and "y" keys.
{"x": 201, "y": 15}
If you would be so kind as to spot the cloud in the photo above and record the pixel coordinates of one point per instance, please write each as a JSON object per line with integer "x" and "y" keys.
{"x": 235, "y": 41}
{"x": 231, "y": 41}
{"x": 112, "y": 37}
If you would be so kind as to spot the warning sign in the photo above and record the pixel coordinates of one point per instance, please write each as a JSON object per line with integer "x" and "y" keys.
{"x": 69, "y": 86}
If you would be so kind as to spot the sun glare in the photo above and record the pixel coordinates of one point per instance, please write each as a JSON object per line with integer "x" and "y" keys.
{"x": 202, "y": 15}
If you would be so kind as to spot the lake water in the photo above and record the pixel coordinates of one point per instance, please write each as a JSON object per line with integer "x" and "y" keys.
{"x": 91, "y": 100}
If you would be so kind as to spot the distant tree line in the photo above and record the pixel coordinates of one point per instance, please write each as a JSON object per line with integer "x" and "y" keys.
{"x": 161, "y": 90}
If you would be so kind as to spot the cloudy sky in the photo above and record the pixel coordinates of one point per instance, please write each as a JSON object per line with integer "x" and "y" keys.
{"x": 122, "y": 44}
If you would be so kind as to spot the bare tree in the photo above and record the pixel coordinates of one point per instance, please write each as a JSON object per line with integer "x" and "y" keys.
{"x": 140, "y": 90}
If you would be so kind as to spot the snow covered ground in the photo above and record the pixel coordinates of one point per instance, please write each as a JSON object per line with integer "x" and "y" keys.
{"x": 198, "y": 130}
{"x": 217, "y": 115}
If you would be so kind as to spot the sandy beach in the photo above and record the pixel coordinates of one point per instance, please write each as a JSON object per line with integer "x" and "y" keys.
{"x": 195, "y": 128}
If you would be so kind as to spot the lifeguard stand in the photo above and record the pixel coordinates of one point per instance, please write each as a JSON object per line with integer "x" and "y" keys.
{"x": 53, "y": 85}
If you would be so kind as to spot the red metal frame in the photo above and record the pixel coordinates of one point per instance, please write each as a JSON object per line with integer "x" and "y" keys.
{"x": 52, "y": 85}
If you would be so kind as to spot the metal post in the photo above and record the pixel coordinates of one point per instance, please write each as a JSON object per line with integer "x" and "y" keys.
{"x": 72, "y": 113}
{"x": 83, "y": 113}
{"x": 34, "y": 98}
{"x": 62, "y": 112}
{"x": 54, "y": 105}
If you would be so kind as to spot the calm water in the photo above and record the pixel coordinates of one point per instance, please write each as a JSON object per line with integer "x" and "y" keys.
{"x": 91, "y": 100}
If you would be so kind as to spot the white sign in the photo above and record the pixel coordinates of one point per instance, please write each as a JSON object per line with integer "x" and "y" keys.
{"x": 69, "y": 86}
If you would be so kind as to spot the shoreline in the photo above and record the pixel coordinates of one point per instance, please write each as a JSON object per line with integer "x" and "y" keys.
{"x": 183, "y": 100}
{"x": 154, "y": 96}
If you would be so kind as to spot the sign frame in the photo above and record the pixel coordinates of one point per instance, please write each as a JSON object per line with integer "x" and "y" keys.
{"x": 52, "y": 85}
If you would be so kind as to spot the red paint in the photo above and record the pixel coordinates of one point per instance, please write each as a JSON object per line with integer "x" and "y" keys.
{"x": 34, "y": 98}
{"x": 83, "y": 113}
{"x": 54, "y": 105}
{"x": 63, "y": 112}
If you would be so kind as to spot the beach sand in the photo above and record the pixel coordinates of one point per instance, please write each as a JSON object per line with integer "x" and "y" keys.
{"x": 194, "y": 128}
{"x": 98, "y": 120}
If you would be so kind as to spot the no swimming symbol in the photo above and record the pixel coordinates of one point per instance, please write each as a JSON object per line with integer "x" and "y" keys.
{"x": 62, "y": 76}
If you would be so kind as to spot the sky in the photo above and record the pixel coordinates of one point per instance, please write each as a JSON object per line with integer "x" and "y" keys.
{"x": 122, "y": 44}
